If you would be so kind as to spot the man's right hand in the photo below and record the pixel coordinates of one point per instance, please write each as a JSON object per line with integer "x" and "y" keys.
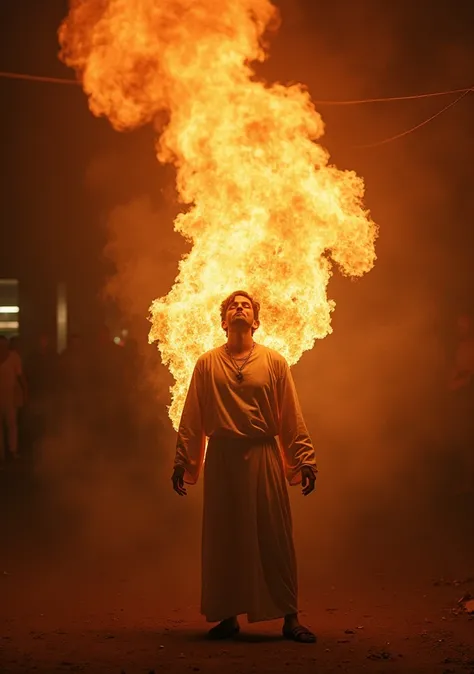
{"x": 178, "y": 480}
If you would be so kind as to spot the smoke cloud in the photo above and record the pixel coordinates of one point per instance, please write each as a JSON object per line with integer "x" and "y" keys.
{"x": 373, "y": 392}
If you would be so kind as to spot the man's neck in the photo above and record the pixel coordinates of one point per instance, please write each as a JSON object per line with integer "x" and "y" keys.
{"x": 239, "y": 342}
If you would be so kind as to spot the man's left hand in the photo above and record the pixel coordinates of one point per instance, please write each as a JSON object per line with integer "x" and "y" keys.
{"x": 308, "y": 480}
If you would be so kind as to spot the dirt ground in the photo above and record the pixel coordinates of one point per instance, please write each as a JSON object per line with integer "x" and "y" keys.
{"x": 69, "y": 606}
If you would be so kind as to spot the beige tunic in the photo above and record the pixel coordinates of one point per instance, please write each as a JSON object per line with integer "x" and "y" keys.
{"x": 248, "y": 561}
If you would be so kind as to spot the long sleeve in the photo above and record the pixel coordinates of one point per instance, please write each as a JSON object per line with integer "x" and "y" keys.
{"x": 297, "y": 448}
{"x": 191, "y": 442}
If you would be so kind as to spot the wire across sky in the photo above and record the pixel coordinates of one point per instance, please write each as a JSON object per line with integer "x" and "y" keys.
{"x": 462, "y": 93}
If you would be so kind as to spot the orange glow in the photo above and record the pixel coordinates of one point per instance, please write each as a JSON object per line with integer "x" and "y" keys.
{"x": 265, "y": 211}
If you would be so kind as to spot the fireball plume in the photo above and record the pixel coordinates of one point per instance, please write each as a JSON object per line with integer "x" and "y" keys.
{"x": 265, "y": 210}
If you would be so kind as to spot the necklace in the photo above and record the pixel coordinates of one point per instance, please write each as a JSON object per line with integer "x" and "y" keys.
{"x": 239, "y": 368}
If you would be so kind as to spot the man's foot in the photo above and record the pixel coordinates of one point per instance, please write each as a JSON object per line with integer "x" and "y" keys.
{"x": 294, "y": 631}
{"x": 224, "y": 630}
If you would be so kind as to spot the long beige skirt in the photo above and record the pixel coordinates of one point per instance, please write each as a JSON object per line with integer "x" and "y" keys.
{"x": 248, "y": 557}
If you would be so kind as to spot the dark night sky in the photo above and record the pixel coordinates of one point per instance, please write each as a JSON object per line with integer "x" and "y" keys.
{"x": 419, "y": 188}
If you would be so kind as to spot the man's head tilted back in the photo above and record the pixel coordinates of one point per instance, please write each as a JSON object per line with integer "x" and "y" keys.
{"x": 240, "y": 309}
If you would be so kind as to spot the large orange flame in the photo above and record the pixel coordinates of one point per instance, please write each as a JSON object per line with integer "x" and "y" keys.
{"x": 267, "y": 213}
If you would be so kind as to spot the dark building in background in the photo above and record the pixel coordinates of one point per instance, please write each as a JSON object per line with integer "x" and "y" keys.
{"x": 35, "y": 302}
{"x": 30, "y": 309}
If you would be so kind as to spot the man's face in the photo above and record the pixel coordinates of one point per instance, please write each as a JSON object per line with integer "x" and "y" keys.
{"x": 240, "y": 314}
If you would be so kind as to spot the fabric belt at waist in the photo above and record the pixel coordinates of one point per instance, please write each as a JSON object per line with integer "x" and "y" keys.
{"x": 241, "y": 440}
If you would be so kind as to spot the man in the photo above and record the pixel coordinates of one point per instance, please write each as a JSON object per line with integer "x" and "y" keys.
{"x": 242, "y": 397}
{"x": 11, "y": 377}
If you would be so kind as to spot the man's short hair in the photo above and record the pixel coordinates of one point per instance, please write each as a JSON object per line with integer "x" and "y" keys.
{"x": 228, "y": 301}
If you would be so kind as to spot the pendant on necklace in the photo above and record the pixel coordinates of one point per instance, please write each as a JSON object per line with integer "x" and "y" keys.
{"x": 240, "y": 376}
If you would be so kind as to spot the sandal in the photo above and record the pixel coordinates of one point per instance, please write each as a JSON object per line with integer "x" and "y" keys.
{"x": 223, "y": 631}
{"x": 300, "y": 634}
